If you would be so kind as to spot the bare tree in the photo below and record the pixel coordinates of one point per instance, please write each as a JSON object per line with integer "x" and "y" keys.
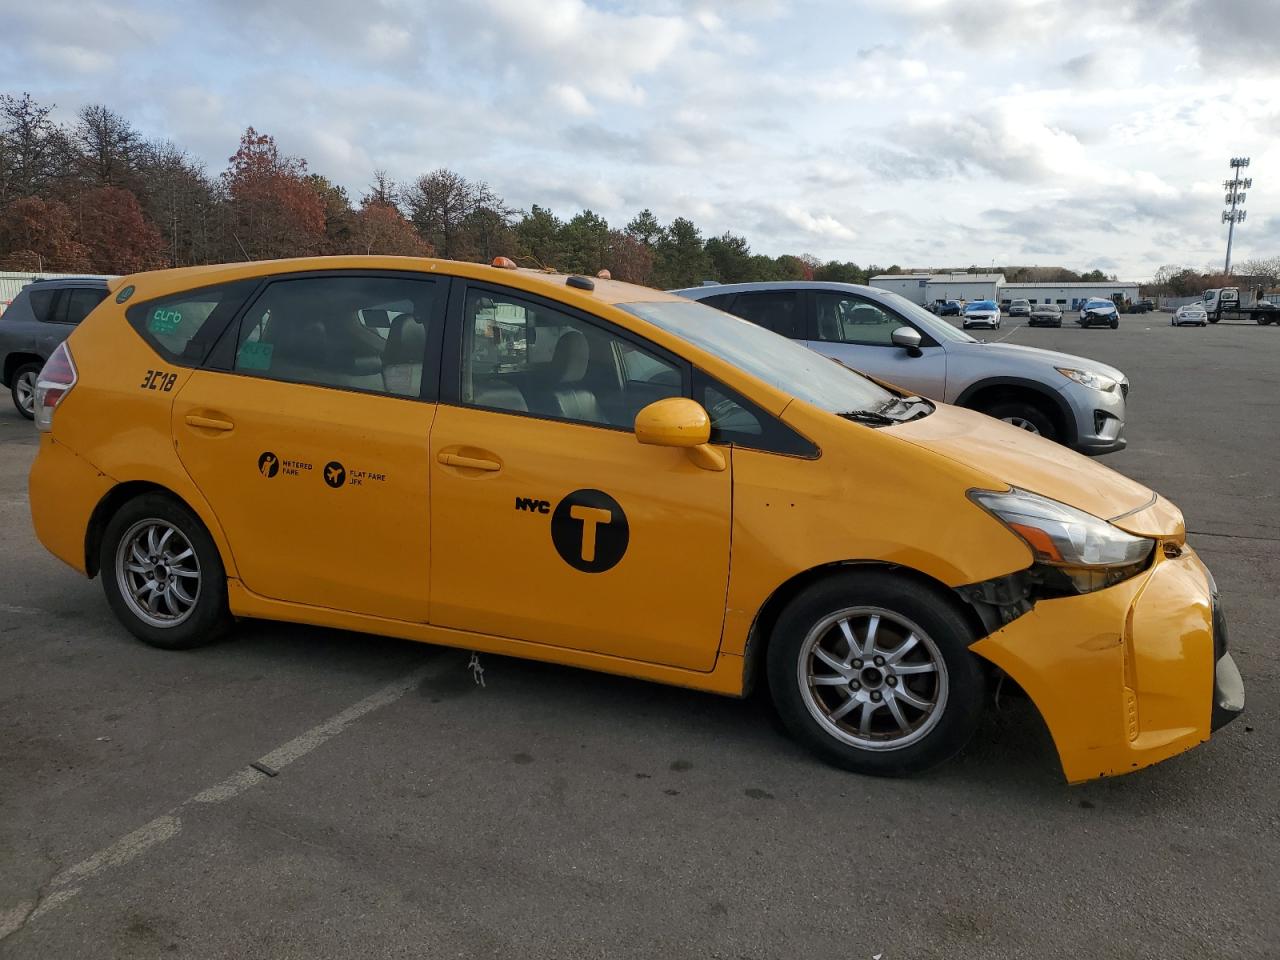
{"x": 32, "y": 148}
{"x": 110, "y": 149}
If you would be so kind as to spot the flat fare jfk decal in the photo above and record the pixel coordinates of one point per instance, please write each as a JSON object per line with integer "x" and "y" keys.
{"x": 334, "y": 474}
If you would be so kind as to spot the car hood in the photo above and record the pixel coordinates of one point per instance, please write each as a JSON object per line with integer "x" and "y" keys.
{"x": 1016, "y": 351}
{"x": 1022, "y": 459}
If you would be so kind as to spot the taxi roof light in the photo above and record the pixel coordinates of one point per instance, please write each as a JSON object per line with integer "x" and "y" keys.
{"x": 503, "y": 263}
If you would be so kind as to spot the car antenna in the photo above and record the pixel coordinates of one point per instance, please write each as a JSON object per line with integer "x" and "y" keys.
{"x": 241, "y": 246}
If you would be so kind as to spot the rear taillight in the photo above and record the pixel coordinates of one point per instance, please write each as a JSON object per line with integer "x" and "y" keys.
{"x": 55, "y": 381}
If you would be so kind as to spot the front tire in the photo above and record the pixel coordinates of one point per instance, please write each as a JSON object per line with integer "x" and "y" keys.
{"x": 23, "y": 389}
{"x": 872, "y": 672}
{"x": 1115, "y": 323}
{"x": 162, "y": 574}
{"x": 1024, "y": 415}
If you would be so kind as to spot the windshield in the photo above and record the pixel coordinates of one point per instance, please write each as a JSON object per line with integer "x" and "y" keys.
{"x": 922, "y": 318}
{"x": 1097, "y": 302}
{"x": 1052, "y": 307}
{"x": 779, "y": 362}
{"x": 982, "y": 305}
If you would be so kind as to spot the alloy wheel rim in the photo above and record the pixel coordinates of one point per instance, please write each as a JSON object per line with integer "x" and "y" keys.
{"x": 1022, "y": 423}
{"x": 158, "y": 573}
{"x": 872, "y": 679}
{"x": 25, "y": 390}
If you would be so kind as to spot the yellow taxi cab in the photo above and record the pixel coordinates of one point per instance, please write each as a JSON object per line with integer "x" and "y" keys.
{"x": 602, "y": 475}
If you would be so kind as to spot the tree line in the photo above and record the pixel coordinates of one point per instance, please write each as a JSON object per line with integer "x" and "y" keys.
{"x": 97, "y": 196}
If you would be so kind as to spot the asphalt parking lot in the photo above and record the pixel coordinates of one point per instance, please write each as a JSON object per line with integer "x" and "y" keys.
{"x": 559, "y": 813}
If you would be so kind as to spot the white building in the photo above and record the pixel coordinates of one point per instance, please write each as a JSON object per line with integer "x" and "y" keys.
{"x": 909, "y": 285}
{"x": 963, "y": 286}
{"x": 1069, "y": 296}
{"x": 927, "y": 288}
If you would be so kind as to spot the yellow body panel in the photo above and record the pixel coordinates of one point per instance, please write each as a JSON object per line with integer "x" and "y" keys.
{"x": 497, "y": 531}
{"x": 323, "y": 493}
{"x": 499, "y": 572}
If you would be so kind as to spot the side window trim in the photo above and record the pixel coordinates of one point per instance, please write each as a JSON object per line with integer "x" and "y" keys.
{"x": 777, "y": 435}
{"x": 454, "y": 341}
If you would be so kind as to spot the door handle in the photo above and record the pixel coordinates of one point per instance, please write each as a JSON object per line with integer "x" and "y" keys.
{"x": 470, "y": 463}
{"x": 210, "y": 423}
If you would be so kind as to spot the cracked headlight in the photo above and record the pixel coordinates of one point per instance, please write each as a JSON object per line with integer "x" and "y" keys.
{"x": 1086, "y": 378}
{"x": 1088, "y": 551}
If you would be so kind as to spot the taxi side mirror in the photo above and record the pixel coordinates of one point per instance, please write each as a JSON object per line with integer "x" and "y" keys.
{"x": 679, "y": 422}
{"x": 908, "y": 338}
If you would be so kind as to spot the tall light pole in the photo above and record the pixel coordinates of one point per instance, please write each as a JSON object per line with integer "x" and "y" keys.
{"x": 1235, "y": 188}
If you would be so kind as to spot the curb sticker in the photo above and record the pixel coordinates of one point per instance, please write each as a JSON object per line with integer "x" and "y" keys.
{"x": 589, "y": 530}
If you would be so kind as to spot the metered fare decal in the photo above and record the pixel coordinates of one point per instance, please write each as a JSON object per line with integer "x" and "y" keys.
{"x": 334, "y": 474}
{"x": 588, "y": 528}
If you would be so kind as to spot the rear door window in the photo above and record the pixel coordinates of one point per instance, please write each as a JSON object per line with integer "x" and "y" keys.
{"x": 78, "y": 303}
{"x": 776, "y": 310}
{"x": 372, "y": 333}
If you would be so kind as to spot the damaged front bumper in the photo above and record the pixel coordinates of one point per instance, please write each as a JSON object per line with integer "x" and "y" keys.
{"x": 1126, "y": 676}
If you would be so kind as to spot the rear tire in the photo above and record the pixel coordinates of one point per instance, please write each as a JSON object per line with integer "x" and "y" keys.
{"x": 162, "y": 574}
{"x": 23, "y": 389}
{"x": 903, "y": 696}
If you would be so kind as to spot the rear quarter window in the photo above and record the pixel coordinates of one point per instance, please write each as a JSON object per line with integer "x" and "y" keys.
{"x": 183, "y": 327}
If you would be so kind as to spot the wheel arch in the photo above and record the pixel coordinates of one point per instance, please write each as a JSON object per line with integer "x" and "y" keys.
{"x": 761, "y": 632}
{"x": 121, "y": 494}
{"x": 992, "y": 389}
{"x": 13, "y": 361}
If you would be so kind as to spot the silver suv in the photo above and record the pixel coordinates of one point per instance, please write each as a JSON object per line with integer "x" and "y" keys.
{"x": 42, "y": 315}
{"x": 1078, "y": 402}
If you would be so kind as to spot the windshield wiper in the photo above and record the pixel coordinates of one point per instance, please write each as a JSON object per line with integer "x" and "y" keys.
{"x": 874, "y": 417}
{"x": 914, "y": 407}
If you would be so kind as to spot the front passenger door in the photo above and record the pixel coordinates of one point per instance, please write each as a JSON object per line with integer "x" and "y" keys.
{"x": 550, "y": 522}
{"x": 859, "y": 334}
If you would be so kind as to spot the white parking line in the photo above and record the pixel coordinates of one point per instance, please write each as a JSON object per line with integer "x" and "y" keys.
{"x": 64, "y": 886}
{"x": 1008, "y": 335}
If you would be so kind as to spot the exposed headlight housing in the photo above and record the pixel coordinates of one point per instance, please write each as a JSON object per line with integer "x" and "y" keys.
{"x": 1087, "y": 378}
{"x": 1085, "y": 550}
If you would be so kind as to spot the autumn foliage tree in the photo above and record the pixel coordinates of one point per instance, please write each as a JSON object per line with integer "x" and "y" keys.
{"x": 273, "y": 211}
{"x": 116, "y": 234}
{"x": 40, "y": 235}
{"x": 380, "y": 228}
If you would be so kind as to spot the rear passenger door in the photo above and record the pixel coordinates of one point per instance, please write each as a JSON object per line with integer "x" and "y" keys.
{"x": 307, "y": 430}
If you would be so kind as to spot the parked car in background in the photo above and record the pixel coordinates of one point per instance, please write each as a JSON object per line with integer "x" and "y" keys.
{"x": 981, "y": 313}
{"x": 949, "y": 308}
{"x": 41, "y": 316}
{"x": 1077, "y": 402}
{"x": 1190, "y": 315}
{"x": 1096, "y": 312}
{"x": 1045, "y": 315}
{"x": 1142, "y": 306}
{"x": 1019, "y": 308}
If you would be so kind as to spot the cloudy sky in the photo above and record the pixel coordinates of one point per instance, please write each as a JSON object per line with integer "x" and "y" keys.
{"x": 1086, "y": 133}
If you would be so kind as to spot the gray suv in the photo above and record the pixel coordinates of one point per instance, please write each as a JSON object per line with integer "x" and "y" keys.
{"x": 42, "y": 315}
{"x": 1078, "y": 402}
